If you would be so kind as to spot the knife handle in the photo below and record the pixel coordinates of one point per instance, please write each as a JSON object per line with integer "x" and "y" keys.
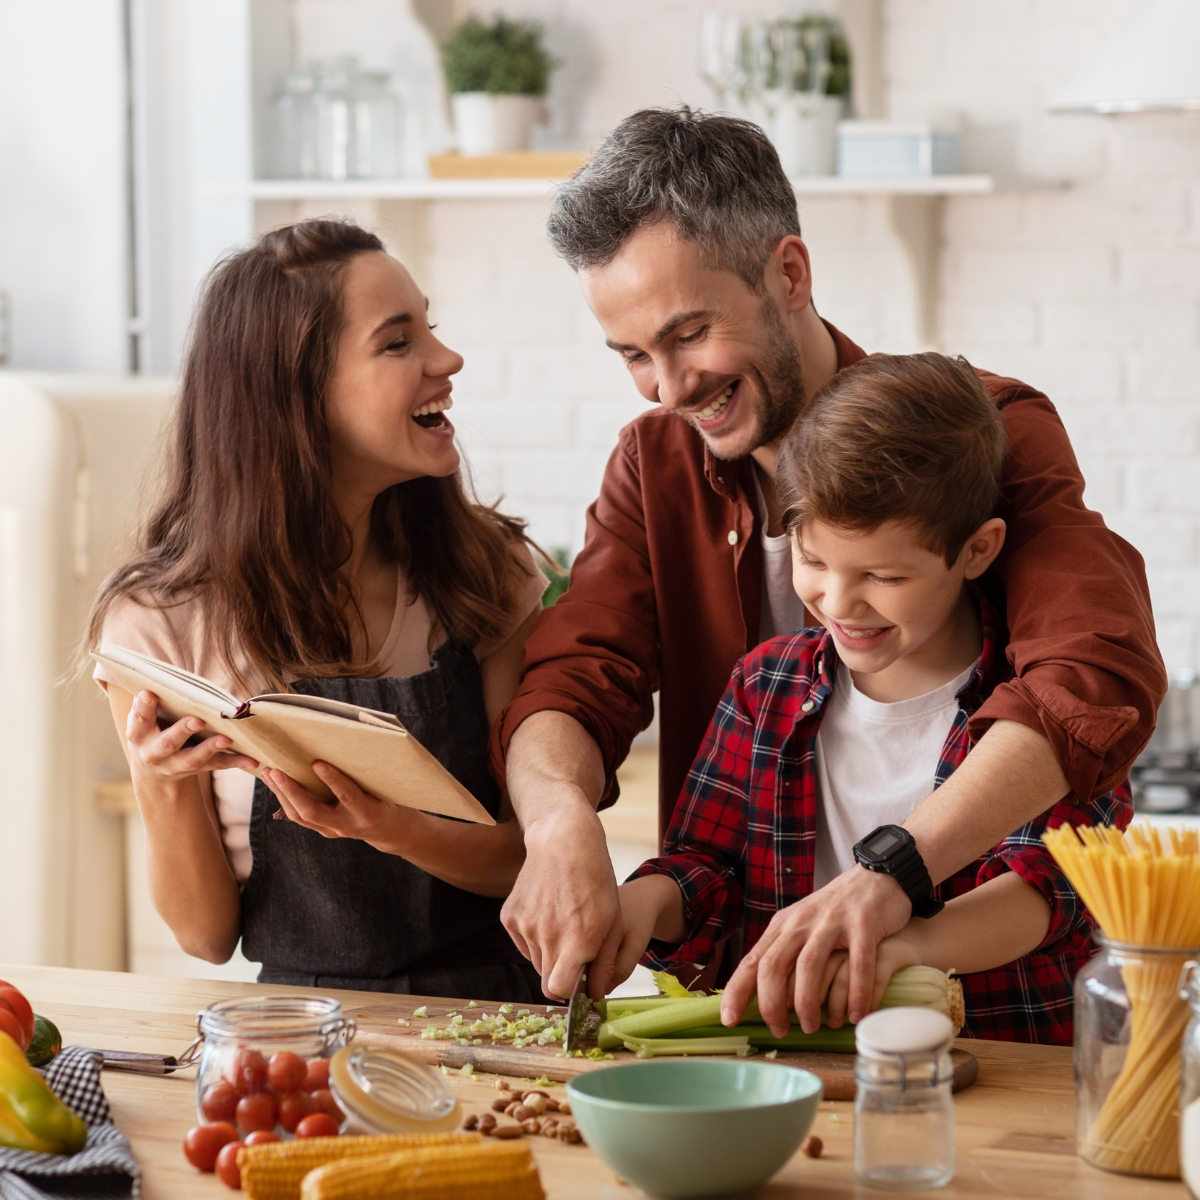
{"x": 140, "y": 1064}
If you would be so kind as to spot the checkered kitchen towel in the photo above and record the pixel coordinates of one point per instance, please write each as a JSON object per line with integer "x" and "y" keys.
{"x": 103, "y": 1168}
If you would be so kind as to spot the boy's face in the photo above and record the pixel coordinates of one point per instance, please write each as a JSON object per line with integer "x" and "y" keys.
{"x": 881, "y": 594}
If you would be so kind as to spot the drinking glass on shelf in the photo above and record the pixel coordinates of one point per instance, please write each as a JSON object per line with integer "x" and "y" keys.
{"x": 720, "y": 48}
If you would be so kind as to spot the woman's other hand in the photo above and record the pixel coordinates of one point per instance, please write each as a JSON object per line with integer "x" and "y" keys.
{"x": 165, "y": 753}
{"x": 353, "y": 813}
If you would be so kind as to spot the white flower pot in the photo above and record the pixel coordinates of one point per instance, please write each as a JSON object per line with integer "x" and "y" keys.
{"x": 488, "y": 124}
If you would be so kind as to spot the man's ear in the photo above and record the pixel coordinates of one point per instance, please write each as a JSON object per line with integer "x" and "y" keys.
{"x": 983, "y": 546}
{"x": 790, "y": 265}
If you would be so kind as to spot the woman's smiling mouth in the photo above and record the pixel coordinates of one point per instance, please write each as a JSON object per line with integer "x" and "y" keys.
{"x": 429, "y": 416}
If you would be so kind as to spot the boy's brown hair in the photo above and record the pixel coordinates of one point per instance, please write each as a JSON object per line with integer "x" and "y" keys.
{"x": 913, "y": 438}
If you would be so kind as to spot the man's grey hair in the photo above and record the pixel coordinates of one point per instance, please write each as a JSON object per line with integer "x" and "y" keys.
{"x": 717, "y": 179}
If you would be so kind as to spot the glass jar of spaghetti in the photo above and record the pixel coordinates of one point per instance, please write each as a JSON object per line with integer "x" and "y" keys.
{"x": 1129, "y": 1026}
{"x": 1189, "y": 1086}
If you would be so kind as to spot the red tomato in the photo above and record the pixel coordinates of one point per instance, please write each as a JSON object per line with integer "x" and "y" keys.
{"x": 227, "y": 1167}
{"x": 317, "y": 1075}
{"x": 293, "y": 1108}
{"x": 246, "y": 1071}
{"x": 324, "y": 1101}
{"x": 219, "y": 1102}
{"x": 203, "y": 1143}
{"x": 10, "y": 1025}
{"x": 256, "y": 1111}
{"x": 20, "y": 1006}
{"x": 317, "y": 1125}
{"x": 260, "y": 1137}
{"x": 286, "y": 1072}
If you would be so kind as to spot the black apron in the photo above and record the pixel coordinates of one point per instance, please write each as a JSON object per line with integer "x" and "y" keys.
{"x": 337, "y": 913}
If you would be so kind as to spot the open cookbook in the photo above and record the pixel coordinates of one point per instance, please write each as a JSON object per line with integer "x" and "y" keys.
{"x": 288, "y": 732}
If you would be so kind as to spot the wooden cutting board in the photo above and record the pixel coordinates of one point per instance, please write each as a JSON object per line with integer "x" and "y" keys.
{"x": 378, "y": 1025}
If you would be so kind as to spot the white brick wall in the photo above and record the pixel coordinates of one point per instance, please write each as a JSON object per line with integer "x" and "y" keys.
{"x": 1087, "y": 286}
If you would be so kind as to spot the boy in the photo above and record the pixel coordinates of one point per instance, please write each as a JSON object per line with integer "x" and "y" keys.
{"x": 827, "y": 740}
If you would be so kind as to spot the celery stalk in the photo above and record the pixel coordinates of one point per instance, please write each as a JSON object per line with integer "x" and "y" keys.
{"x": 683, "y": 1014}
{"x": 660, "y": 1047}
{"x": 836, "y": 1041}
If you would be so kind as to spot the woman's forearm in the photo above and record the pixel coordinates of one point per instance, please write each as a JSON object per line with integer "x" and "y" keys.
{"x": 484, "y": 859}
{"x": 993, "y": 924}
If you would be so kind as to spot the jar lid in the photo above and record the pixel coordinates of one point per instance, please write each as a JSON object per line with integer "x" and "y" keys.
{"x": 391, "y": 1092}
{"x": 900, "y": 1032}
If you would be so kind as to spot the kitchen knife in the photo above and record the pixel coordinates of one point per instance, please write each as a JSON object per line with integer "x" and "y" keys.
{"x": 578, "y": 1008}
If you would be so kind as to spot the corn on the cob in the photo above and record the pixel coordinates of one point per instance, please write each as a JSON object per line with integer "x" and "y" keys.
{"x": 491, "y": 1171}
{"x": 275, "y": 1171}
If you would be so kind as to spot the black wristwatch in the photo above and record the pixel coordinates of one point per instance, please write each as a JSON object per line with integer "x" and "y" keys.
{"x": 891, "y": 850}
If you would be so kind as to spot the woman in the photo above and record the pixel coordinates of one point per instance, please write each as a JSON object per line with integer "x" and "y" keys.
{"x": 315, "y": 535}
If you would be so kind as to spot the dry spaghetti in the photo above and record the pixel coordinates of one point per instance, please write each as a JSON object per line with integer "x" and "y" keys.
{"x": 1144, "y": 894}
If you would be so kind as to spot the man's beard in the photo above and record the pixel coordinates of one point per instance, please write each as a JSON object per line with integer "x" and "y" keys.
{"x": 778, "y": 381}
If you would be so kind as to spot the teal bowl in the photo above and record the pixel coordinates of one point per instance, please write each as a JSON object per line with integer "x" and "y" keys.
{"x": 694, "y": 1127}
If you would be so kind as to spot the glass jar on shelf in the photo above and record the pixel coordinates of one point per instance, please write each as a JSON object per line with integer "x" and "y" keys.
{"x": 903, "y": 1108}
{"x": 1129, "y": 1028}
{"x": 264, "y": 1060}
{"x": 293, "y": 134}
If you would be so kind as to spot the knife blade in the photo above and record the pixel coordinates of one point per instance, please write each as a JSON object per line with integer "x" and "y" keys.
{"x": 578, "y": 1008}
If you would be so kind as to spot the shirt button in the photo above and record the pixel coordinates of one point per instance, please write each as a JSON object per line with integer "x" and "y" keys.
{"x": 807, "y": 706}
{"x": 733, "y": 537}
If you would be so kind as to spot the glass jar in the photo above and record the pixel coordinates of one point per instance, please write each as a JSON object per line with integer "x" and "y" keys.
{"x": 239, "y": 1039}
{"x": 293, "y": 130}
{"x": 903, "y": 1109}
{"x": 382, "y": 1091}
{"x": 377, "y": 151}
{"x": 1189, "y": 1085}
{"x": 1129, "y": 1024}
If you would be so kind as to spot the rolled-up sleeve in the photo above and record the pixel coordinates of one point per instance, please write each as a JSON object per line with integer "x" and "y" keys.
{"x": 1087, "y": 671}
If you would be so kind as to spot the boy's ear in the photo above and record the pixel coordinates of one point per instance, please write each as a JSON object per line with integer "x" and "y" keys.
{"x": 983, "y": 546}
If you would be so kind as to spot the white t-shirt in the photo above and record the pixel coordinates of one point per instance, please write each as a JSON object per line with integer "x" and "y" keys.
{"x": 781, "y": 610}
{"x": 875, "y": 763}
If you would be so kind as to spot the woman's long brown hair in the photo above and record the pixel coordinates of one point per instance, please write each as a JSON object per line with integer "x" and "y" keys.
{"x": 247, "y": 523}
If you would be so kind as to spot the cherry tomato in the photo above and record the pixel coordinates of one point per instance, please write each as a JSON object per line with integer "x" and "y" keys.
{"x": 294, "y": 1107}
{"x": 317, "y": 1075}
{"x": 21, "y": 1008}
{"x": 219, "y": 1102}
{"x": 324, "y": 1101}
{"x": 260, "y": 1137}
{"x": 317, "y": 1125}
{"x": 256, "y": 1111}
{"x": 246, "y": 1071}
{"x": 286, "y": 1071}
{"x": 10, "y": 1025}
{"x": 227, "y": 1167}
{"x": 203, "y": 1143}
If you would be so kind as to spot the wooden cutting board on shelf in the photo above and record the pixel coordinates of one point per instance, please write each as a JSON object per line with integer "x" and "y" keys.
{"x": 379, "y": 1025}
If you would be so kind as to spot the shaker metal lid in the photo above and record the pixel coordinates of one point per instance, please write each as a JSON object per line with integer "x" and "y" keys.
{"x": 903, "y": 1031}
{"x": 391, "y": 1091}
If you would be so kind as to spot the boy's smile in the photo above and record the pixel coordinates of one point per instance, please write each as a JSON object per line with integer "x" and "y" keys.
{"x": 900, "y": 617}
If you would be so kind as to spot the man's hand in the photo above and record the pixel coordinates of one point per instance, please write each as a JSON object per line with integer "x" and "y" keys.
{"x": 563, "y": 910}
{"x": 854, "y": 912}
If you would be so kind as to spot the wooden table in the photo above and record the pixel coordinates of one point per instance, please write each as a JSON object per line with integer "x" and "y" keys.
{"x": 1015, "y": 1125}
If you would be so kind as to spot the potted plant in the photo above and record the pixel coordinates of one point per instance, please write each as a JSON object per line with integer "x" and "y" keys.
{"x": 496, "y": 75}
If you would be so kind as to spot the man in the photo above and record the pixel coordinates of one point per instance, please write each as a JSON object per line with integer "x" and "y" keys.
{"x": 685, "y": 236}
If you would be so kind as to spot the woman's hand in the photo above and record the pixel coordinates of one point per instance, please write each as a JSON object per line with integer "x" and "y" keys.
{"x": 162, "y": 752}
{"x": 353, "y": 814}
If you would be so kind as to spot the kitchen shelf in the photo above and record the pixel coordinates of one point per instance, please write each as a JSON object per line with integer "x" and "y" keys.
{"x": 532, "y": 189}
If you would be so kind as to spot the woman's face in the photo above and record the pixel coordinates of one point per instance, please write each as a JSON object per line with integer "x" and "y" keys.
{"x": 386, "y": 401}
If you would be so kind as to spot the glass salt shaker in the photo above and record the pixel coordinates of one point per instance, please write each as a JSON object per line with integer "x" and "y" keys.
{"x": 903, "y": 1110}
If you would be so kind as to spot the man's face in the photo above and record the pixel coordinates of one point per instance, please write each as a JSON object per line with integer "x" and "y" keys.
{"x": 699, "y": 341}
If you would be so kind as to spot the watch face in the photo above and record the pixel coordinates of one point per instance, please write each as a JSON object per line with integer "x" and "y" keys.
{"x": 884, "y": 842}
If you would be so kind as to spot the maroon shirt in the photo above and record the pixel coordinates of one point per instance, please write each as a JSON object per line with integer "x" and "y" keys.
{"x": 665, "y": 597}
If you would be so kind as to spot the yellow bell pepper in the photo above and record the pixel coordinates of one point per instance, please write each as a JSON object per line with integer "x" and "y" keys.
{"x": 32, "y": 1117}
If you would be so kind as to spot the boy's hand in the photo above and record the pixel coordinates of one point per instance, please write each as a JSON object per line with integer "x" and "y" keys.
{"x": 651, "y": 906}
{"x": 853, "y": 912}
{"x": 893, "y": 953}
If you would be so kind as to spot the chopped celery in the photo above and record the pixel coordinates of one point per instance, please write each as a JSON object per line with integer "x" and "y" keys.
{"x": 659, "y": 1047}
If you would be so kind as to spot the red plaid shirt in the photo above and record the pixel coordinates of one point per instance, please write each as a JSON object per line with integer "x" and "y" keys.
{"x": 742, "y": 841}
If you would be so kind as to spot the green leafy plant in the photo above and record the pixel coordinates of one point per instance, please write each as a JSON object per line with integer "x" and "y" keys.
{"x": 837, "y": 83}
{"x": 503, "y": 58}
